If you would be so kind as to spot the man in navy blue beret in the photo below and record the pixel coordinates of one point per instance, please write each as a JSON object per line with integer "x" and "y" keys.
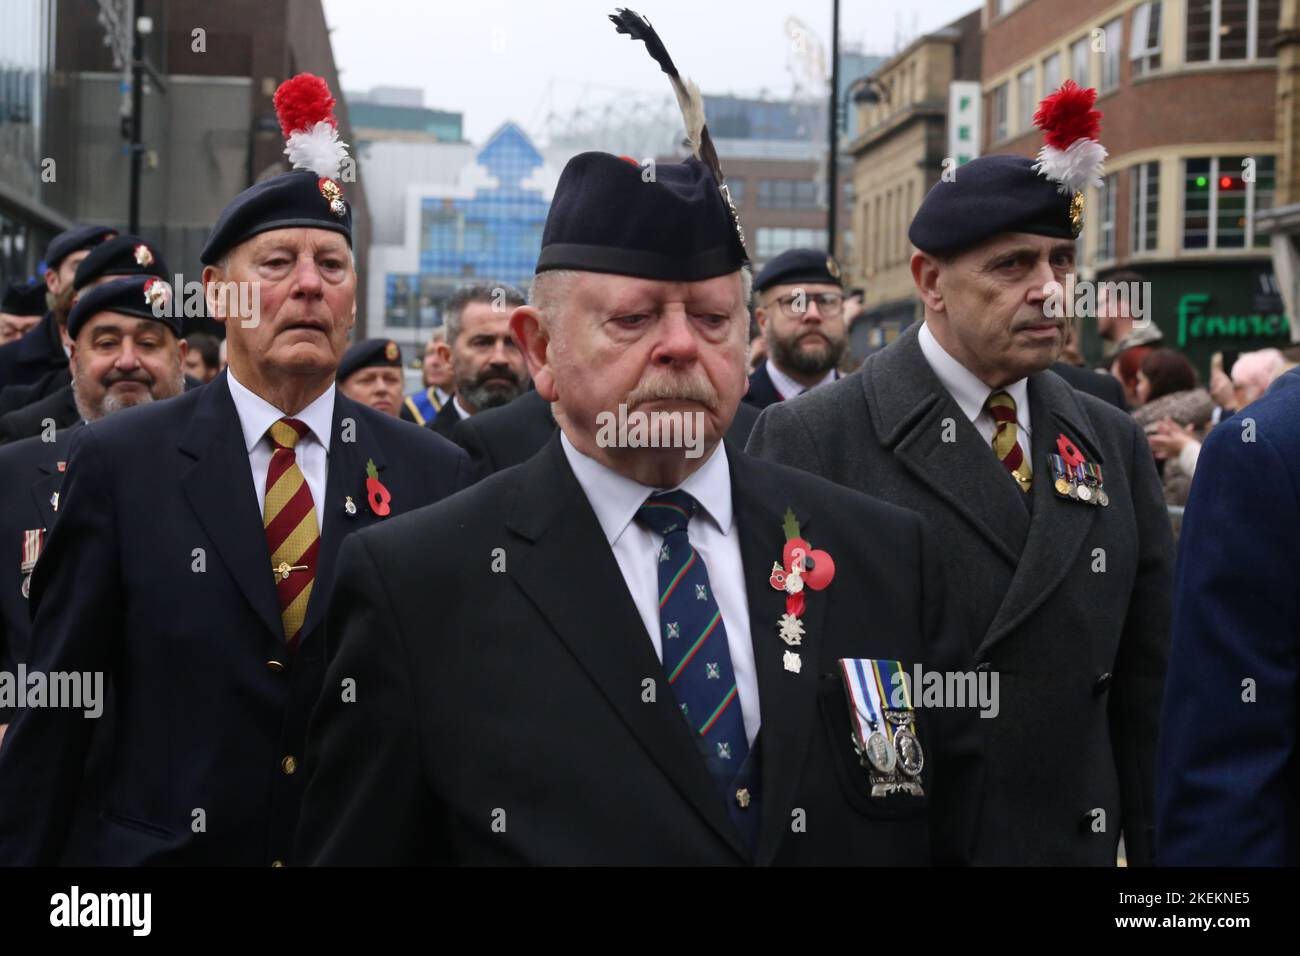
{"x": 1056, "y": 540}
{"x": 371, "y": 373}
{"x": 195, "y": 547}
{"x": 800, "y": 313}
{"x": 41, "y": 350}
{"x": 626, "y": 651}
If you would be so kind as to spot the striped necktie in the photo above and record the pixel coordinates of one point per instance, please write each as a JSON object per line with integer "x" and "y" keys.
{"x": 1005, "y": 444}
{"x": 292, "y": 534}
{"x": 696, "y": 657}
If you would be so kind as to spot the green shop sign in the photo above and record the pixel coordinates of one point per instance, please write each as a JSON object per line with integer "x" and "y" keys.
{"x": 1195, "y": 323}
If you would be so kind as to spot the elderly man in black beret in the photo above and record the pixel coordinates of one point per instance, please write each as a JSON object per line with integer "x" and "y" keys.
{"x": 622, "y": 681}
{"x": 1056, "y": 541}
{"x": 22, "y": 307}
{"x": 42, "y": 351}
{"x": 801, "y": 315}
{"x": 195, "y": 548}
{"x": 371, "y": 373}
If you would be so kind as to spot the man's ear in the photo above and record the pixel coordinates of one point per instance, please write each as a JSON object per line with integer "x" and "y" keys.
{"x": 925, "y": 274}
{"x": 212, "y": 296}
{"x": 534, "y": 343}
{"x": 52, "y": 281}
{"x": 760, "y": 318}
{"x": 443, "y": 351}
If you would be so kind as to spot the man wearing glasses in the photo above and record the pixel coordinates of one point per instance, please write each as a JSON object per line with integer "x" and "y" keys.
{"x": 801, "y": 316}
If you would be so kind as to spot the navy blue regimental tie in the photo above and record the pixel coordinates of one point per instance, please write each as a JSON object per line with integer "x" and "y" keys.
{"x": 696, "y": 657}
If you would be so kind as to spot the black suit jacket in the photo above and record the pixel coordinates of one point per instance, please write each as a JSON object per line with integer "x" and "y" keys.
{"x": 1106, "y": 387}
{"x": 517, "y": 695}
{"x": 500, "y": 438}
{"x": 762, "y": 392}
{"x": 30, "y": 477}
{"x": 59, "y": 407}
{"x": 38, "y": 352}
{"x": 445, "y": 421}
{"x": 157, "y": 572}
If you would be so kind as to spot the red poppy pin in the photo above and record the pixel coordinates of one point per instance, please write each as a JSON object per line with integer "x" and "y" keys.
{"x": 801, "y": 567}
{"x": 378, "y": 495}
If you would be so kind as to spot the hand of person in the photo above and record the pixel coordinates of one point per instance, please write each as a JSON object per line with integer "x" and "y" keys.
{"x": 1222, "y": 390}
{"x": 1168, "y": 438}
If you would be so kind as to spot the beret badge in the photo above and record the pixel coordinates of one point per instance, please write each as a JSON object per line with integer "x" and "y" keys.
{"x": 155, "y": 294}
{"x": 143, "y": 257}
{"x": 832, "y": 267}
{"x": 1071, "y": 156}
{"x": 1076, "y": 213}
{"x": 390, "y": 351}
{"x": 333, "y": 194}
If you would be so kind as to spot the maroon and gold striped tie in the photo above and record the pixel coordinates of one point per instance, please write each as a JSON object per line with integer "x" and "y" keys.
{"x": 292, "y": 533}
{"x": 1003, "y": 409}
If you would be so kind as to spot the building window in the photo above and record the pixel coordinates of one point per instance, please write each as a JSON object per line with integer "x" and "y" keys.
{"x": 1025, "y": 102}
{"x": 1114, "y": 38}
{"x": 774, "y": 240}
{"x": 787, "y": 194}
{"x": 999, "y": 113}
{"x": 1144, "y": 44}
{"x": 1080, "y": 62}
{"x": 1144, "y": 206}
{"x": 1051, "y": 73}
{"x": 1223, "y": 30}
{"x": 1106, "y": 203}
{"x": 1221, "y": 195}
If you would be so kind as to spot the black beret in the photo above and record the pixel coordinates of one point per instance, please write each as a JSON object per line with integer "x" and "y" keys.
{"x": 23, "y": 298}
{"x": 610, "y": 215}
{"x": 133, "y": 295}
{"x": 295, "y": 199}
{"x": 368, "y": 353}
{"x": 798, "y": 265}
{"x": 988, "y": 196}
{"x": 123, "y": 256}
{"x": 74, "y": 240}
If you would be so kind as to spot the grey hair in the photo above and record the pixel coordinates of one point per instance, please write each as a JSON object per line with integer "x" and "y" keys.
{"x": 486, "y": 293}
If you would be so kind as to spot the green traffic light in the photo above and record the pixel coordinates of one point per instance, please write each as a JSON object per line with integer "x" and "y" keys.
{"x": 1201, "y": 182}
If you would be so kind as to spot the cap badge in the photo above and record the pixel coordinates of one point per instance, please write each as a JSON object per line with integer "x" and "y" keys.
{"x": 1076, "y": 213}
{"x": 832, "y": 267}
{"x": 143, "y": 257}
{"x": 735, "y": 216}
{"x": 334, "y": 194}
{"x": 391, "y": 352}
{"x": 155, "y": 294}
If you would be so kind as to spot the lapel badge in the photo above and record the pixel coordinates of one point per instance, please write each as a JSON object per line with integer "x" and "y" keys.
{"x": 883, "y": 725}
{"x": 800, "y": 568}
{"x": 349, "y": 507}
{"x": 1075, "y": 477}
{"x": 54, "y": 501}
{"x": 62, "y": 466}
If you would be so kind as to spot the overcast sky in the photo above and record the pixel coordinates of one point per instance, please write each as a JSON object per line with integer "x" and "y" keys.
{"x": 495, "y": 60}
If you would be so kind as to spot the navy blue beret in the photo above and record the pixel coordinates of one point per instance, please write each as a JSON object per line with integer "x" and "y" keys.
{"x": 22, "y": 298}
{"x": 133, "y": 295}
{"x": 610, "y": 215}
{"x": 123, "y": 256}
{"x": 798, "y": 265}
{"x": 295, "y": 199}
{"x": 988, "y": 196}
{"x": 74, "y": 240}
{"x": 368, "y": 353}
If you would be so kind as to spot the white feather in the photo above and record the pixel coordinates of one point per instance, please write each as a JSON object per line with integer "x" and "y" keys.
{"x": 317, "y": 149}
{"x": 1079, "y": 165}
{"x": 691, "y": 104}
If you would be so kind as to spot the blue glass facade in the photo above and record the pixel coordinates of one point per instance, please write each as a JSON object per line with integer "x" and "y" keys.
{"x": 497, "y": 235}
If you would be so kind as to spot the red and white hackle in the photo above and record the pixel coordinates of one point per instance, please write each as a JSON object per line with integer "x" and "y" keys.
{"x": 1071, "y": 155}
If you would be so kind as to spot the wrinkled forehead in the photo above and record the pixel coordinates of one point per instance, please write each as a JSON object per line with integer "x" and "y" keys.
{"x": 297, "y": 241}
{"x": 115, "y": 323}
{"x": 1014, "y": 243}
{"x": 604, "y": 292}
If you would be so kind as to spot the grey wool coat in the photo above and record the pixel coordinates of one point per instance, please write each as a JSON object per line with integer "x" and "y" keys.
{"x": 1067, "y": 603}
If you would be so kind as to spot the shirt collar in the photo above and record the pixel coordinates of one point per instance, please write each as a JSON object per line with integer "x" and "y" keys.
{"x": 615, "y": 498}
{"x": 460, "y": 409}
{"x": 256, "y": 414}
{"x": 966, "y": 388}
{"x": 788, "y": 387}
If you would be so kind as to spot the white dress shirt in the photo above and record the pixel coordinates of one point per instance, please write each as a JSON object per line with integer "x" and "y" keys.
{"x": 713, "y": 534}
{"x": 788, "y": 387}
{"x": 970, "y": 394}
{"x": 256, "y": 415}
{"x": 460, "y": 409}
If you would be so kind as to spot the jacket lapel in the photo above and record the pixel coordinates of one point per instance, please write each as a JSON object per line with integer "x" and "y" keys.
{"x": 346, "y": 479}
{"x": 219, "y": 487}
{"x": 787, "y": 700}
{"x": 569, "y": 573}
{"x": 910, "y": 407}
{"x": 1059, "y": 525}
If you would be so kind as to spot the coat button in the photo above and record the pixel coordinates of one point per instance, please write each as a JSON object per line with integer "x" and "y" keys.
{"x": 288, "y": 764}
{"x": 275, "y": 666}
{"x": 1102, "y": 683}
